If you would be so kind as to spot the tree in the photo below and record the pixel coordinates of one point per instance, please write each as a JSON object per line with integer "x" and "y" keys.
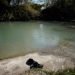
{"x": 5, "y": 2}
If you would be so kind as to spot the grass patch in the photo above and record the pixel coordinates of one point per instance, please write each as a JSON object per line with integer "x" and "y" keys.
{"x": 43, "y": 72}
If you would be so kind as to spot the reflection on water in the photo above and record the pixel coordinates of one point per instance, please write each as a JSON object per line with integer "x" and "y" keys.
{"x": 21, "y": 37}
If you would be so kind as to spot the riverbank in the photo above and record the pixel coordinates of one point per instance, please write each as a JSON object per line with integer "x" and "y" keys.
{"x": 17, "y": 65}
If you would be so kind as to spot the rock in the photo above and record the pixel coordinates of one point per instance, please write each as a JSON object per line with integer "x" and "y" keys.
{"x": 33, "y": 64}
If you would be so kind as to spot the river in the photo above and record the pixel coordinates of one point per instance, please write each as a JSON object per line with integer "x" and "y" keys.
{"x": 19, "y": 38}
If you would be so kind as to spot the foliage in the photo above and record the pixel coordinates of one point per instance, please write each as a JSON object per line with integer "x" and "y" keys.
{"x": 5, "y": 2}
{"x": 22, "y": 12}
{"x": 62, "y": 10}
{"x": 36, "y": 6}
{"x": 34, "y": 12}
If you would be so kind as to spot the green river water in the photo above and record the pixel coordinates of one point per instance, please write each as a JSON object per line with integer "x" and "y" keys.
{"x": 18, "y": 38}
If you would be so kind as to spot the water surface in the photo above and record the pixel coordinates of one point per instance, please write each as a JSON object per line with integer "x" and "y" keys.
{"x": 17, "y": 38}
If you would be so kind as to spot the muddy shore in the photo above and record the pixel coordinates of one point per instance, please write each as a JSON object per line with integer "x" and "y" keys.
{"x": 17, "y": 65}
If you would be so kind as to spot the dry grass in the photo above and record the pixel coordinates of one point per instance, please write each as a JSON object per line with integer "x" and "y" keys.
{"x": 42, "y": 72}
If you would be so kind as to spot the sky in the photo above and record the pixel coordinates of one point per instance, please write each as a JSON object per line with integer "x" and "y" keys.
{"x": 38, "y": 1}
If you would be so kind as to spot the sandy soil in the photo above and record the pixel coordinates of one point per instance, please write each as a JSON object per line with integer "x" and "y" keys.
{"x": 17, "y": 65}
